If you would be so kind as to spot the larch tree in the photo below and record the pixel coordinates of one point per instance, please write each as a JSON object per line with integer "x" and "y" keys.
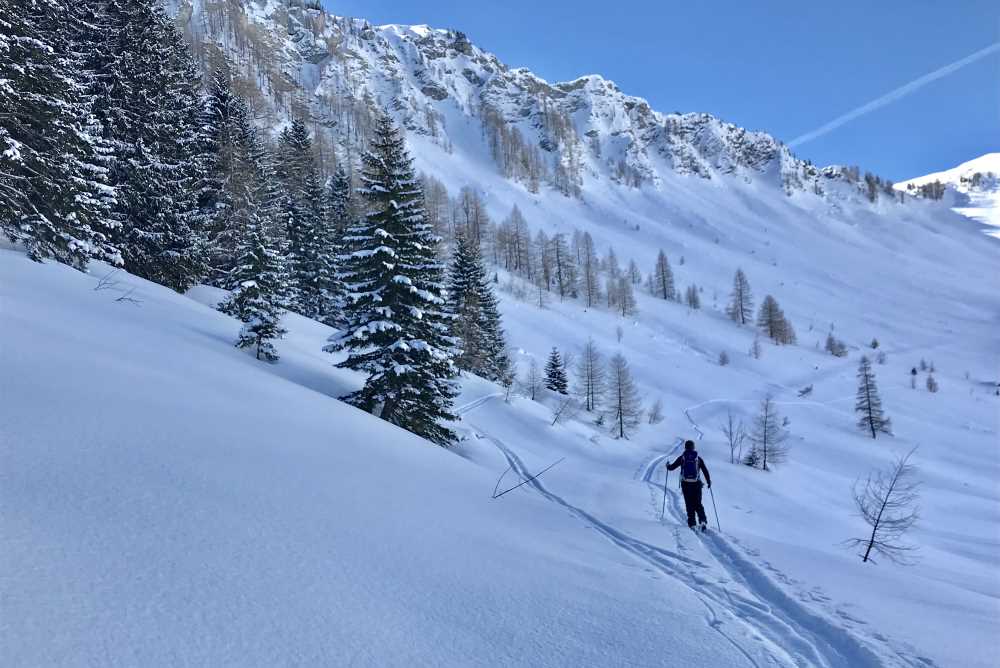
{"x": 662, "y": 279}
{"x": 555, "y": 373}
{"x": 772, "y": 321}
{"x": 692, "y": 297}
{"x": 634, "y": 275}
{"x": 591, "y": 376}
{"x": 397, "y": 321}
{"x": 868, "y": 406}
{"x": 624, "y": 405}
{"x": 740, "y": 309}
{"x": 590, "y": 281}
{"x": 625, "y": 297}
{"x": 563, "y": 267}
{"x": 887, "y": 502}
{"x": 767, "y": 438}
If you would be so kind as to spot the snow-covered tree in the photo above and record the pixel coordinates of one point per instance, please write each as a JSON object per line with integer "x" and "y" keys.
{"x": 555, "y": 373}
{"x": 591, "y": 377}
{"x": 772, "y": 321}
{"x": 340, "y": 213}
{"x": 624, "y": 406}
{"x": 312, "y": 239}
{"x": 477, "y": 313}
{"x": 740, "y": 307}
{"x": 256, "y": 299}
{"x": 662, "y": 279}
{"x": 869, "y": 405}
{"x": 397, "y": 322}
{"x": 236, "y": 183}
{"x": 54, "y": 191}
{"x": 767, "y": 438}
{"x": 146, "y": 94}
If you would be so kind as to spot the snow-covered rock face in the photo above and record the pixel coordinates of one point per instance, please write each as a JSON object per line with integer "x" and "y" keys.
{"x": 972, "y": 189}
{"x": 341, "y": 69}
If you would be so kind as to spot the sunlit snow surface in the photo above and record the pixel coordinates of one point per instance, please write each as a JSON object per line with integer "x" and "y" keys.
{"x": 981, "y": 204}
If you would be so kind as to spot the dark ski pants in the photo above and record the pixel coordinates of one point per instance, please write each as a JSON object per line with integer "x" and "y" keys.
{"x": 692, "y": 501}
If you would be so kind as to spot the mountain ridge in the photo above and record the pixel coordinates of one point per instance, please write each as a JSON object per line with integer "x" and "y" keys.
{"x": 338, "y": 70}
{"x": 972, "y": 189}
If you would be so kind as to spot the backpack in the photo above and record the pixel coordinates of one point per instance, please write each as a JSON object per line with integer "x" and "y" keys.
{"x": 690, "y": 471}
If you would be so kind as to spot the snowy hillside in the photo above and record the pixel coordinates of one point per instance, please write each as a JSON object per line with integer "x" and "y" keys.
{"x": 168, "y": 499}
{"x": 184, "y": 505}
{"x": 972, "y": 189}
{"x": 190, "y": 505}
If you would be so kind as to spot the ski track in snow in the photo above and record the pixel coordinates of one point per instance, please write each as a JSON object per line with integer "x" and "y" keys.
{"x": 753, "y": 577}
{"x": 763, "y": 622}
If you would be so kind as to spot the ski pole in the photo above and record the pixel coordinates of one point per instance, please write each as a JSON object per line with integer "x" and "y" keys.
{"x": 663, "y": 509}
{"x": 714, "y": 509}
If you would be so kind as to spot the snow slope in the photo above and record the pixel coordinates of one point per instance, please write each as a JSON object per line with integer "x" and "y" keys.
{"x": 167, "y": 500}
{"x": 973, "y": 189}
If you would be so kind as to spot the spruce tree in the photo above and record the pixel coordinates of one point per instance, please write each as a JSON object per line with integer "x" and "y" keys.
{"x": 477, "y": 313}
{"x": 146, "y": 96}
{"x": 740, "y": 307}
{"x": 223, "y": 118}
{"x": 662, "y": 280}
{"x": 397, "y": 322}
{"x": 869, "y": 404}
{"x": 54, "y": 192}
{"x": 555, "y": 373}
{"x": 256, "y": 299}
{"x": 339, "y": 214}
{"x": 311, "y": 239}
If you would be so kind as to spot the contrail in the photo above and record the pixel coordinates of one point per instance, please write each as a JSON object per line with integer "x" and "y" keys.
{"x": 896, "y": 94}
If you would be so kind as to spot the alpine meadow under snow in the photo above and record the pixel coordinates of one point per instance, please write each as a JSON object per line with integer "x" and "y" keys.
{"x": 314, "y": 250}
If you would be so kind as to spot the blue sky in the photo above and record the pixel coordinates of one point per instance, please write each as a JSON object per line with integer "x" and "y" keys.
{"x": 784, "y": 67}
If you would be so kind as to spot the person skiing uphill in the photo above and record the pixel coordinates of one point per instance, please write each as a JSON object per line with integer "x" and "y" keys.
{"x": 692, "y": 466}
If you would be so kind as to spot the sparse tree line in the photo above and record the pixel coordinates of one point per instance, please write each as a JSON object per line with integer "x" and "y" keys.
{"x": 602, "y": 388}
